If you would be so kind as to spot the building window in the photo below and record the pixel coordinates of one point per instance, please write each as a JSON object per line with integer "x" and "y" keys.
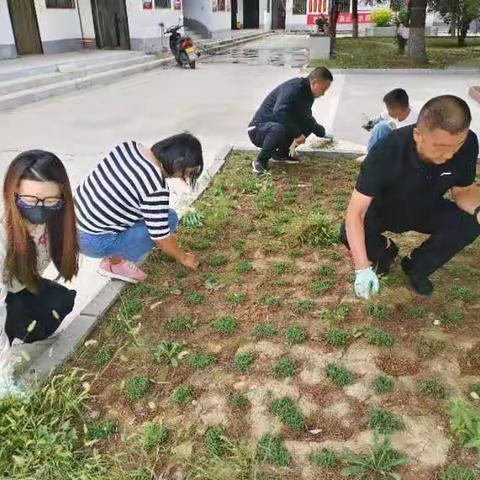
{"x": 163, "y": 3}
{"x": 60, "y": 3}
{"x": 299, "y": 7}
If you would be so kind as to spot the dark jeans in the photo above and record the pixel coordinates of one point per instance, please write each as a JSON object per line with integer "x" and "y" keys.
{"x": 450, "y": 228}
{"x": 48, "y": 309}
{"x": 273, "y": 139}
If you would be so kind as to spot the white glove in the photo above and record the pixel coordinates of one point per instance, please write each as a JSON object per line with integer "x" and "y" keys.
{"x": 292, "y": 149}
{"x": 366, "y": 283}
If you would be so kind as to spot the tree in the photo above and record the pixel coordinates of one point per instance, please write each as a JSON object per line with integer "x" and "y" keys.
{"x": 416, "y": 42}
{"x": 355, "y": 18}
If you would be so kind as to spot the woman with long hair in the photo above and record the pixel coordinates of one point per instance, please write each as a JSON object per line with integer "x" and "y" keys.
{"x": 38, "y": 228}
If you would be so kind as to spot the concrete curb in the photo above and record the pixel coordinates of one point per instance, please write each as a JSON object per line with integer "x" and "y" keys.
{"x": 399, "y": 71}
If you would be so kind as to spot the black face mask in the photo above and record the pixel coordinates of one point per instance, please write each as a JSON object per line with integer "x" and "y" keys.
{"x": 37, "y": 215}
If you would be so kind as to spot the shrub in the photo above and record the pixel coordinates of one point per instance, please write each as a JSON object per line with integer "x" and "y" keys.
{"x": 226, "y": 324}
{"x": 381, "y": 17}
{"x": 272, "y": 451}
{"x": 284, "y": 368}
{"x": 288, "y": 413}
{"x": 136, "y": 387}
{"x": 182, "y": 395}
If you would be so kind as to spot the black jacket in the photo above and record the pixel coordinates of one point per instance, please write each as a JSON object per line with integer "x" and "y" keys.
{"x": 291, "y": 105}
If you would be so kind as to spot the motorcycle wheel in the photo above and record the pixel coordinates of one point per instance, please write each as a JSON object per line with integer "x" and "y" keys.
{"x": 183, "y": 59}
{"x": 193, "y": 64}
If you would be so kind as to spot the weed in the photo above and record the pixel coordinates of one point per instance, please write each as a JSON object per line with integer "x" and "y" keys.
{"x": 295, "y": 252}
{"x": 327, "y": 271}
{"x": 272, "y": 451}
{"x": 279, "y": 268}
{"x": 303, "y": 306}
{"x": 182, "y": 395}
{"x": 169, "y": 353}
{"x": 377, "y": 311}
{"x": 428, "y": 347}
{"x": 320, "y": 287}
{"x": 466, "y": 294}
{"x": 136, "y": 387}
{"x": 100, "y": 430}
{"x": 226, "y": 324}
{"x": 244, "y": 361}
{"x": 314, "y": 229}
{"x": 339, "y": 375}
{"x": 337, "y": 315}
{"x": 290, "y": 194}
{"x": 264, "y": 330}
{"x": 379, "y": 338}
{"x": 239, "y": 245}
{"x": 102, "y": 356}
{"x": 195, "y": 298}
{"x": 180, "y": 324}
{"x": 384, "y": 422}
{"x": 180, "y": 272}
{"x": 288, "y": 413}
{"x": 284, "y": 368}
{"x": 465, "y": 423}
{"x": 382, "y": 384}
{"x": 242, "y": 266}
{"x": 414, "y": 313}
{"x": 238, "y": 400}
{"x": 453, "y": 317}
{"x": 432, "y": 387}
{"x": 265, "y": 199}
{"x": 336, "y": 337}
{"x": 129, "y": 307}
{"x": 211, "y": 281}
{"x": 269, "y": 300}
{"x": 154, "y": 435}
{"x": 201, "y": 244}
{"x": 325, "y": 458}
{"x": 335, "y": 256}
{"x": 271, "y": 247}
{"x": 200, "y": 361}
{"x": 295, "y": 335}
{"x": 216, "y": 444}
{"x": 457, "y": 472}
{"x": 235, "y": 299}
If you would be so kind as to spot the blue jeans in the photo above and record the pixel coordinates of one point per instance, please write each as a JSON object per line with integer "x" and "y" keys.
{"x": 380, "y": 130}
{"x": 132, "y": 244}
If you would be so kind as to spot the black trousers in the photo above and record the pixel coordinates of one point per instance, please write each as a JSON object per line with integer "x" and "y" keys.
{"x": 273, "y": 139}
{"x": 48, "y": 309}
{"x": 450, "y": 228}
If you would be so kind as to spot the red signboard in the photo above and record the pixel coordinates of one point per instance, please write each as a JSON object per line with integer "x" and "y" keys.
{"x": 343, "y": 17}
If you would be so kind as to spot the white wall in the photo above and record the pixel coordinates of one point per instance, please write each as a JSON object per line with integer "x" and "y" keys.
{"x": 294, "y": 22}
{"x": 218, "y": 23}
{"x": 6, "y": 32}
{"x": 57, "y": 23}
{"x": 85, "y": 9}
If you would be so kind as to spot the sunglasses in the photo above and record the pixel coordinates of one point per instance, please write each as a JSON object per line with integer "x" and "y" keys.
{"x": 31, "y": 201}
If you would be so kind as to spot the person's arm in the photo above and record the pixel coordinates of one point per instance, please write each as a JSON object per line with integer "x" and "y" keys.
{"x": 284, "y": 110}
{"x": 170, "y": 246}
{"x": 467, "y": 198}
{"x": 311, "y": 125}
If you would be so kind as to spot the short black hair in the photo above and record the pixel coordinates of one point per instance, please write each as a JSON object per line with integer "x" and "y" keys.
{"x": 180, "y": 153}
{"x": 446, "y": 112}
{"x": 397, "y": 98}
{"x": 321, "y": 74}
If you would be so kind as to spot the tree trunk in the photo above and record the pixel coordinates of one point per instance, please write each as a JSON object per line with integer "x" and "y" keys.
{"x": 355, "y": 18}
{"x": 416, "y": 42}
{"x": 462, "y": 34}
{"x": 332, "y": 25}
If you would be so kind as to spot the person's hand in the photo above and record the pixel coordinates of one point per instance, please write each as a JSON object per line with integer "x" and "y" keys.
{"x": 366, "y": 283}
{"x": 190, "y": 261}
{"x": 300, "y": 140}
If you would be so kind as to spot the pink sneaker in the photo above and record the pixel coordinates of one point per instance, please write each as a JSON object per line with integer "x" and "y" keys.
{"x": 126, "y": 271}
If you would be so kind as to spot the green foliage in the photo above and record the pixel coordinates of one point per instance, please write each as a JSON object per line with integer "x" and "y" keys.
{"x": 272, "y": 451}
{"x": 265, "y": 198}
{"x": 336, "y": 337}
{"x": 380, "y": 462}
{"x": 235, "y": 298}
{"x": 136, "y": 387}
{"x": 475, "y": 388}
{"x": 217, "y": 260}
{"x": 327, "y": 271}
{"x": 242, "y": 266}
{"x": 415, "y": 313}
{"x": 264, "y": 330}
{"x": 244, "y": 361}
{"x": 465, "y": 423}
{"x": 290, "y": 194}
{"x": 200, "y": 361}
{"x": 465, "y": 294}
{"x": 239, "y": 245}
{"x": 453, "y": 317}
{"x": 432, "y": 387}
{"x": 457, "y": 472}
{"x": 288, "y": 413}
{"x": 180, "y": 324}
{"x": 303, "y": 306}
{"x": 216, "y": 444}
{"x": 182, "y": 394}
{"x": 320, "y": 287}
{"x": 284, "y": 368}
{"x": 226, "y": 325}
{"x": 379, "y": 338}
{"x": 295, "y": 335}
{"x": 377, "y": 311}
{"x": 100, "y": 430}
{"x": 382, "y": 384}
{"x": 211, "y": 281}
{"x": 201, "y": 244}
{"x": 314, "y": 229}
{"x": 384, "y": 422}
{"x": 238, "y": 400}
{"x": 339, "y": 375}
{"x": 428, "y": 347}
{"x": 169, "y": 353}
{"x": 102, "y": 356}
{"x": 381, "y": 17}
{"x": 269, "y": 300}
{"x": 337, "y": 315}
{"x": 281, "y": 267}
{"x": 192, "y": 219}
{"x": 154, "y": 435}
{"x": 325, "y": 458}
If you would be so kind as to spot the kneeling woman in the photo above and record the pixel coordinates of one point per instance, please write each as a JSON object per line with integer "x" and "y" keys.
{"x": 38, "y": 227}
{"x": 123, "y": 205}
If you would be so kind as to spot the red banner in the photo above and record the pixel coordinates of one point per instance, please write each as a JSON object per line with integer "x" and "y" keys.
{"x": 343, "y": 17}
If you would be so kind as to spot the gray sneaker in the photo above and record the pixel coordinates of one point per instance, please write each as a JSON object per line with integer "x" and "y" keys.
{"x": 258, "y": 168}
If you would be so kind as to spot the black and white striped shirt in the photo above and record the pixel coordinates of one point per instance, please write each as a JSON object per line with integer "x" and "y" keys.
{"x": 124, "y": 188}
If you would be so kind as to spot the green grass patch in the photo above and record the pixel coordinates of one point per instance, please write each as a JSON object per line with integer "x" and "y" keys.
{"x": 154, "y": 435}
{"x": 433, "y": 387}
{"x": 379, "y": 338}
{"x": 325, "y": 458}
{"x": 336, "y": 337}
{"x": 377, "y": 311}
{"x": 457, "y": 472}
{"x": 226, "y": 325}
{"x": 182, "y": 395}
{"x": 242, "y": 266}
{"x": 339, "y": 375}
{"x": 180, "y": 324}
{"x": 100, "y": 430}
{"x": 288, "y": 413}
{"x": 195, "y": 298}
{"x": 238, "y": 400}
{"x": 217, "y": 260}
{"x": 284, "y": 368}
{"x": 384, "y": 422}
{"x": 382, "y": 385}
{"x": 279, "y": 268}
{"x": 320, "y": 287}
{"x": 270, "y": 301}
{"x": 264, "y": 330}
{"x": 303, "y": 306}
{"x": 135, "y": 388}
{"x": 295, "y": 335}
{"x": 465, "y": 423}
{"x": 236, "y": 298}
{"x": 465, "y": 294}
{"x": 427, "y": 348}
{"x": 414, "y": 313}
{"x": 243, "y": 362}
{"x": 216, "y": 443}
{"x": 200, "y": 361}
{"x": 326, "y": 271}
{"x": 453, "y": 317}
{"x": 271, "y": 450}
{"x": 102, "y": 356}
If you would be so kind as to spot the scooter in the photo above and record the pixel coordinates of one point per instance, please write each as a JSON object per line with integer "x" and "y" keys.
{"x": 182, "y": 47}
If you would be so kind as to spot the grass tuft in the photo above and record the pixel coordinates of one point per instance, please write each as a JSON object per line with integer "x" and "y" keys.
{"x": 236, "y": 298}
{"x": 379, "y": 338}
{"x": 135, "y": 388}
{"x": 216, "y": 444}
{"x": 182, "y": 395}
{"x": 100, "y": 430}
{"x": 339, "y": 375}
{"x": 200, "y": 361}
{"x": 325, "y": 458}
{"x": 180, "y": 324}
{"x": 284, "y": 368}
{"x": 154, "y": 435}
{"x": 433, "y": 388}
{"x": 226, "y": 325}
{"x": 244, "y": 361}
{"x": 288, "y": 413}
{"x": 271, "y": 450}
{"x": 295, "y": 335}
{"x": 382, "y": 385}
{"x": 384, "y": 422}
{"x": 336, "y": 337}
{"x": 303, "y": 306}
{"x": 264, "y": 330}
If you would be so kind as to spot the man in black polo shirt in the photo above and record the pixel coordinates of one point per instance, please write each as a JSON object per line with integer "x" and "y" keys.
{"x": 401, "y": 188}
{"x": 286, "y": 115}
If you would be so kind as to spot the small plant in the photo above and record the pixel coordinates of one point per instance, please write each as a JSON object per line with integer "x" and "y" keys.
{"x": 381, "y": 17}
{"x": 238, "y": 400}
{"x": 235, "y": 299}
{"x": 103, "y": 356}
{"x": 457, "y": 472}
{"x": 322, "y": 24}
{"x": 379, "y": 338}
{"x": 415, "y": 313}
{"x": 226, "y": 324}
{"x": 337, "y": 315}
{"x": 339, "y": 375}
{"x": 465, "y": 423}
{"x": 380, "y": 462}
{"x": 303, "y": 306}
{"x": 154, "y": 435}
{"x": 384, "y": 422}
{"x": 336, "y": 337}
{"x": 325, "y": 458}
{"x": 377, "y": 311}
{"x": 100, "y": 430}
{"x": 320, "y": 287}
{"x": 242, "y": 266}
{"x": 135, "y": 388}
{"x": 216, "y": 444}
{"x": 191, "y": 218}
{"x": 284, "y": 368}
{"x": 211, "y": 281}
{"x": 288, "y": 413}
{"x": 295, "y": 335}
{"x": 326, "y": 271}
{"x": 382, "y": 384}
{"x": 269, "y": 301}
{"x": 295, "y": 252}
{"x": 244, "y": 361}
{"x": 475, "y": 388}
{"x": 217, "y": 260}
{"x": 180, "y": 324}
{"x": 239, "y": 245}
{"x": 432, "y": 387}
{"x": 428, "y": 347}
{"x": 182, "y": 395}
{"x": 264, "y": 330}
{"x": 200, "y": 361}
{"x": 201, "y": 244}
{"x": 272, "y": 451}
{"x": 466, "y": 294}
{"x": 453, "y": 317}
{"x": 169, "y": 353}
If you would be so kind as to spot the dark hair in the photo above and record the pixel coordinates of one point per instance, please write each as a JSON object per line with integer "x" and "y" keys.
{"x": 446, "y": 112}
{"x": 178, "y": 154}
{"x": 21, "y": 256}
{"x": 321, "y": 74}
{"x": 397, "y": 98}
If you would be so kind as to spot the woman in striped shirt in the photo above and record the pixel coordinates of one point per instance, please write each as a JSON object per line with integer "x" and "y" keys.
{"x": 123, "y": 207}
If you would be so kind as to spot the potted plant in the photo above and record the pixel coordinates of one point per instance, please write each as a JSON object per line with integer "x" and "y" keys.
{"x": 381, "y": 18}
{"x": 319, "y": 42}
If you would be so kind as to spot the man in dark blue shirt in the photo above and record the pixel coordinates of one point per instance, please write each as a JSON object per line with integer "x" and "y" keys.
{"x": 402, "y": 187}
{"x": 286, "y": 115}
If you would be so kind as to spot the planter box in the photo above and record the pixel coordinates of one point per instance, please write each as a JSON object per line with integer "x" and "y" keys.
{"x": 380, "y": 31}
{"x": 319, "y": 45}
